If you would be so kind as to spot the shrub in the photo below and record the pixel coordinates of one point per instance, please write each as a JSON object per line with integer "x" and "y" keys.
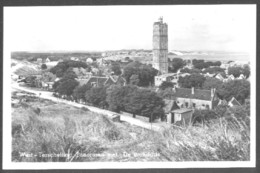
{"x": 113, "y": 134}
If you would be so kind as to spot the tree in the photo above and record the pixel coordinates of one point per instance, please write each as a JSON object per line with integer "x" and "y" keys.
{"x": 212, "y": 82}
{"x": 66, "y": 86}
{"x": 240, "y": 89}
{"x": 246, "y": 70}
{"x": 43, "y": 66}
{"x": 80, "y": 91}
{"x": 200, "y": 64}
{"x": 213, "y": 70}
{"x": 134, "y": 80}
{"x": 193, "y": 80}
{"x": 166, "y": 84}
{"x": 145, "y": 73}
{"x": 118, "y": 96}
{"x": 116, "y": 68}
{"x": 69, "y": 74}
{"x": 48, "y": 77}
{"x": 166, "y": 94}
{"x": 187, "y": 70}
{"x": 97, "y": 96}
{"x": 127, "y": 58}
{"x": 175, "y": 64}
{"x": 146, "y": 103}
{"x": 31, "y": 81}
{"x": 235, "y": 71}
{"x": 62, "y": 67}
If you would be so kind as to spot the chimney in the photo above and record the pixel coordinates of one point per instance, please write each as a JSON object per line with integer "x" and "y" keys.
{"x": 192, "y": 90}
{"x": 212, "y": 92}
{"x": 174, "y": 89}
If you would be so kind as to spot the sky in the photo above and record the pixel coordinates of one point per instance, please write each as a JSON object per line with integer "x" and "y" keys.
{"x": 100, "y": 28}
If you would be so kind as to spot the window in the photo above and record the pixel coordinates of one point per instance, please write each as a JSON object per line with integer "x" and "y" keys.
{"x": 203, "y": 105}
{"x": 194, "y": 105}
{"x": 207, "y": 106}
{"x": 177, "y": 117}
{"x": 186, "y": 104}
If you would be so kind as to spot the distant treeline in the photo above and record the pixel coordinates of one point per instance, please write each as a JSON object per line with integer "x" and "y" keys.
{"x": 53, "y": 56}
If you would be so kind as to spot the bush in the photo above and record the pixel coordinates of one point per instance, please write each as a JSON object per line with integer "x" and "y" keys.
{"x": 113, "y": 134}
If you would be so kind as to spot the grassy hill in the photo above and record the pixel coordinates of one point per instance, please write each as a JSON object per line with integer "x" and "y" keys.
{"x": 43, "y": 129}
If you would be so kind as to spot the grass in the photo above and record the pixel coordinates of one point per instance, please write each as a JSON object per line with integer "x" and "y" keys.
{"x": 46, "y": 129}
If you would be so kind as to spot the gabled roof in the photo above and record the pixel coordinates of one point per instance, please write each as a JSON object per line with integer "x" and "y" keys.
{"x": 219, "y": 76}
{"x": 198, "y": 94}
{"x": 114, "y": 77}
{"x": 234, "y": 102}
{"x": 182, "y": 110}
{"x": 169, "y": 105}
{"x": 231, "y": 77}
{"x": 99, "y": 80}
{"x": 223, "y": 102}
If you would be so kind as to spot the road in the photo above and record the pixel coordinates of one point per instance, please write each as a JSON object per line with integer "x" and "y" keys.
{"x": 48, "y": 95}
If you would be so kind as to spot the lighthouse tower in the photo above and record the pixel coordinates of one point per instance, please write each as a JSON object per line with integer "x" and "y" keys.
{"x": 160, "y": 46}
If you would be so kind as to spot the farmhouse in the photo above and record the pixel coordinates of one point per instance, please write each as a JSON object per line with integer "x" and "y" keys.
{"x": 195, "y": 98}
{"x": 175, "y": 115}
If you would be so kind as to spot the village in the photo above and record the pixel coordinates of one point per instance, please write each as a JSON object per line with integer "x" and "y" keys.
{"x": 157, "y": 98}
{"x": 99, "y": 73}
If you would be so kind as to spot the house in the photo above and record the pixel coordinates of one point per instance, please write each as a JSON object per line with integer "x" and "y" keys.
{"x": 182, "y": 116}
{"x": 231, "y": 77}
{"x": 39, "y": 60}
{"x": 103, "y": 54}
{"x": 95, "y": 70}
{"x": 100, "y": 61}
{"x": 98, "y": 81}
{"x": 170, "y": 77}
{"x": 89, "y": 61}
{"x": 195, "y": 98}
{"x": 233, "y": 102}
{"x": 73, "y": 58}
{"x": 47, "y": 60}
{"x": 82, "y": 73}
{"x": 219, "y": 76}
{"x": 209, "y": 75}
{"x": 118, "y": 80}
{"x": 222, "y": 102}
{"x": 158, "y": 80}
{"x": 170, "y": 105}
{"x": 241, "y": 77}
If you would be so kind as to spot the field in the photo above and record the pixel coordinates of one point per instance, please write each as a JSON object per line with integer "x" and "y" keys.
{"x": 45, "y": 131}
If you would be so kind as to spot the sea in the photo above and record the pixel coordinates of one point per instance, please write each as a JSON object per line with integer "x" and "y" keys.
{"x": 216, "y": 56}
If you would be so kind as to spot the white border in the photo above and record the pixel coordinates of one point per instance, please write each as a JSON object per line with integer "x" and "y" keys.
{"x": 7, "y": 140}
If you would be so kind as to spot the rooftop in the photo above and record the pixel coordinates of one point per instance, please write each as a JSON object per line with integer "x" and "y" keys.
{"x": 168, "y": 74}
{"x": 182, "y": 110}
{"x": 235, "y": 102}
{"x": 187, "y": 93}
